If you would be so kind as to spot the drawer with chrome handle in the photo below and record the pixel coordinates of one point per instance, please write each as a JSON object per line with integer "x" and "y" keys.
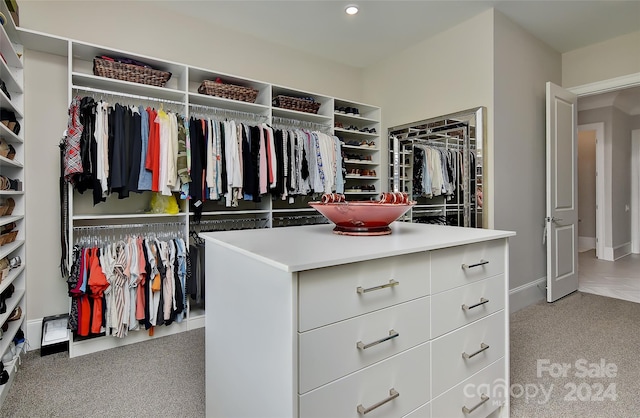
{"x": 390, "y": 388}
{"x": 332, "y": 294}
{"x": 465, "y": 351}
{"x": 336, "y": 350}
{"x": 463, "y": 305}
{"x": 458, "y": 266}
{"x": 475, "y": 397}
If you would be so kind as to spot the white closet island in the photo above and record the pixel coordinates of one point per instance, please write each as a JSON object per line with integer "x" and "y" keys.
{"x": 301, "y": 322}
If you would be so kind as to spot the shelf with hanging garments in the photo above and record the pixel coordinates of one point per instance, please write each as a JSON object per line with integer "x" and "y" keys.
{"x": 103, "y": 235}
{"x": 461, "y": 133}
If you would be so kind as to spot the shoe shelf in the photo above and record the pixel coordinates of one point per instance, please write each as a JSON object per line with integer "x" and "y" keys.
{"x": 360, "y": 162}
{"x": 11, "y": 277}
{"x": 9, "y": 79}
{"x": 12, "y": 303}
{"x": 8, "y": 104}
{"x": 11, "y": 192}
{"x": 349, "y": 118}
{"x": 354, "y": 133}
{"x": 361, "y": 147}
{"x": 353, "y": 177}
{"x": 4, "y": 220}
{"x": 9, "y": 136}
{"x": 7, "y": 249}
{"x": 8, "y": 50}
{"x": 5, "y": 162}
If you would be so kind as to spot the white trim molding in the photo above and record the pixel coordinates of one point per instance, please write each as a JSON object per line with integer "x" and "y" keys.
{"x": 527, "y": 294}
{"x": 34, "y": 334}
{"x": 618, "y": 83}
{"x": 621, "y": 250}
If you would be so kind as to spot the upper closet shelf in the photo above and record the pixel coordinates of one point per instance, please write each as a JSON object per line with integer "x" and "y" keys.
{"x": 219, "y": 102}
{"x": 42, "y": 42}
{"x": 114, "y": 87}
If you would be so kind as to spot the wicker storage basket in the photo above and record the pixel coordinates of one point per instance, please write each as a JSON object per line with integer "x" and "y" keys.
{"x": 228, "y": 91}
{"x": 295, "y": 103}
{"x": 130, "y": 72}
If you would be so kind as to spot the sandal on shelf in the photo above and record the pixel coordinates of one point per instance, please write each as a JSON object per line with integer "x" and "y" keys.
{"x": 7, "y": 228}
{"x": 8, "y": 238}
{"x": 10, "y": 205}
{"x": 16, "y": 314}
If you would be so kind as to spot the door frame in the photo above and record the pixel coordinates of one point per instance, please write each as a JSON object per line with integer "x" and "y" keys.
{"x": 635, "y": 191}
{"x": 601, "y": 208}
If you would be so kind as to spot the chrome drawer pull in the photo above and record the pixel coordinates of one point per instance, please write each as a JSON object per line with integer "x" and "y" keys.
{"x": 363, "y": 346}
{"x": 483, "y": 347}
{"x": 392, "y": 395}
{"x": 483, "y": 398}
{"x": 470, "y": 266}
{"x": 482, "y": 302}
{"x": 391, "y": 283}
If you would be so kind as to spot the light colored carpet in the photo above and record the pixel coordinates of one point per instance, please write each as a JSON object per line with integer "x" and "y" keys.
{"x": 163, "y": 377}
{"x": 578, "y": 328}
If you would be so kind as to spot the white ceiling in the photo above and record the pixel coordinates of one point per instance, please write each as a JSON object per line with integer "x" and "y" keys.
{"x": 384, "y": 27}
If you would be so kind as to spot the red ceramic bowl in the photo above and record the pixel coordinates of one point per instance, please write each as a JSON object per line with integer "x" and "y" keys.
{"x": 362, "y": 218}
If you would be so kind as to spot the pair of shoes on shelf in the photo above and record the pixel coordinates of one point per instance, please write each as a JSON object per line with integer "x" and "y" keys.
{"x": 338, "y": 125}
{"x": 368, "y": 130}
{"x": 7, "y": 206}
{"x": 7, "y": 150}
{"x": 10, "y": 184}
{"x": 15, "y": 314}
{"x": 8, "y": 292}
{"x": 8, "y": 119}
{"x": 368, "y": 173}
{"x": 8, "y": 238}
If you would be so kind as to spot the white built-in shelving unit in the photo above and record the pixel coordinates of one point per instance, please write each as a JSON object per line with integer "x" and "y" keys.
{"x": 11, "y": 73}
{"x": 181, "y": 95}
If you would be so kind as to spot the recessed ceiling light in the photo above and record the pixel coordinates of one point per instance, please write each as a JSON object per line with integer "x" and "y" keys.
{"x": 351, "y": 9}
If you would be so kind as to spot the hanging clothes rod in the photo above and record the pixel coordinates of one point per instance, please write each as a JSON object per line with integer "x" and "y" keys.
{"x": 128, "y": 95}
{"x": 294, "y": 123}
{"x": 207, "y": 111}
{"x": 150, "y": 225}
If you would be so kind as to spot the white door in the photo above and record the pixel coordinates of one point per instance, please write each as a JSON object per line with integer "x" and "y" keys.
{"x": 562, "y": 193}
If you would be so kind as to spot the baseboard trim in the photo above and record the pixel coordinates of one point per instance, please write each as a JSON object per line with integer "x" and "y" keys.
{"x": 34, "y": 334}
{"x": 527, "y": 294}
{"x": 622, "y": 250}
{"x": 586, "y": 243}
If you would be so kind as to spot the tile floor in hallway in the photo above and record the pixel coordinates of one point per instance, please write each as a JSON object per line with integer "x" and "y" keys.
{"x": 617, "y": 279}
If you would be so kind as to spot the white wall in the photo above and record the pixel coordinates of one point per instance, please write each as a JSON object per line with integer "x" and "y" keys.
{"x": 523, "y": 64}
{"x": 450, "y": 72}
{"x": 602, "y": 61}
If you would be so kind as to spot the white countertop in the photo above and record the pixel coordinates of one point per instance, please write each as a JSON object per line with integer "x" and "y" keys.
{"x": 300, "y": 248}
